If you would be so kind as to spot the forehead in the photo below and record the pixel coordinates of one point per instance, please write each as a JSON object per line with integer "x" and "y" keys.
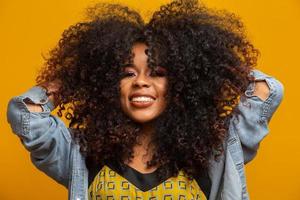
{"x": 139, "y": 57}
{"x": 142, "y": 56}
{"x": 139, "y": 51}
{"x": 139, "y": 47}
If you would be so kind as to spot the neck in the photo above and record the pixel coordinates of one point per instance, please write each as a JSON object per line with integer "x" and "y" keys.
{"x": 142, "y": 150}
{"x": 146, "y": 133}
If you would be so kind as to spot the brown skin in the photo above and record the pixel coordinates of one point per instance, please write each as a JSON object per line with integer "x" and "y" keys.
{"x": 141, "y": 80}
{"x": 142, "y": 153}
{"x": 138, "y": 79}
{"x": 262, "y": 90}
{"x": 52, "y": 88}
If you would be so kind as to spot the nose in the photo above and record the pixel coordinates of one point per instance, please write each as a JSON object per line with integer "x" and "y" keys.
{"x": 141, "y": 81}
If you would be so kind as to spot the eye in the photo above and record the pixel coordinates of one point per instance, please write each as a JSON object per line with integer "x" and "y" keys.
{"x": 128, "y": 74}
{"x": 159, "y": 72}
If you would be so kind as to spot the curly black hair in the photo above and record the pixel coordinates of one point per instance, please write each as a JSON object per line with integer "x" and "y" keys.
{"x": 208, "y": 59}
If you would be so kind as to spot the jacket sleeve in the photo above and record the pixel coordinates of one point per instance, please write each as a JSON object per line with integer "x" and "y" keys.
{"x": 251, "y": 124}
{"x": 45, "y": 136}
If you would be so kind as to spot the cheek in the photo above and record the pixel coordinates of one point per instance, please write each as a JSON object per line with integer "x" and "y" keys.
{"x": 162, "y": 88}
{"x": 124, "y": 87}
{"x": 123, "y": 92}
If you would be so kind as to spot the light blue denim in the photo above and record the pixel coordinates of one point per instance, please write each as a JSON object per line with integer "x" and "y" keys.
{"x": 57, "y": 154}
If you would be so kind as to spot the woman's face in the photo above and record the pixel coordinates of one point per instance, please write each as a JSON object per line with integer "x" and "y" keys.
{"x": 143, "y": 90}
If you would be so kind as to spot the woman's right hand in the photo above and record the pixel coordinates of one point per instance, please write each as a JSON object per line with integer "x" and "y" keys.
{"x": 52, "y": 89}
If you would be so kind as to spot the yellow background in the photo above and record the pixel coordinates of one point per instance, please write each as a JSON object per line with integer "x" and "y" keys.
{"x": 30, "y": 28}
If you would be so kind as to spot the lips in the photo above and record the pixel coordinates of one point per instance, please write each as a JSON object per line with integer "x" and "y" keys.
{"x": 141, "y": 100}
{"x": 141, "y": 95}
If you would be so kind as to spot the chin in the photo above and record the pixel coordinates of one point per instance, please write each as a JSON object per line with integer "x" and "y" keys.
{"x": 142, "y": 119}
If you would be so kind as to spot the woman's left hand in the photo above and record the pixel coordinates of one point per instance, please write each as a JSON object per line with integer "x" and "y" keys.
{"x": 262, "y": 90}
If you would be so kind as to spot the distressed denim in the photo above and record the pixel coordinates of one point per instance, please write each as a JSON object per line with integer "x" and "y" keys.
{"x": 54, "y": 151}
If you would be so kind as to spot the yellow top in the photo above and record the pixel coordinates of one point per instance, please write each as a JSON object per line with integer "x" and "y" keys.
{"x": 109, "y": 185}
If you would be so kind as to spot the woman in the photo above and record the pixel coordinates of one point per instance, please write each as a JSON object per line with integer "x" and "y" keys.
{"x": 169, "y": 109}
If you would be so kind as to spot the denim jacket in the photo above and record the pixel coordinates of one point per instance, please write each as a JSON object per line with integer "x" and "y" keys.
{"x": 54, "y": 151}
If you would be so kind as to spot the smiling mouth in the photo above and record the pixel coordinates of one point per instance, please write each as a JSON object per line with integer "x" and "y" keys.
{"x": 141, "y": 101}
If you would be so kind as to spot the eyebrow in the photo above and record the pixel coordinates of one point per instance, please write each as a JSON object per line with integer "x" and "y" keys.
{"x": 132, "y": 65}
{"x": 128, "y": 65}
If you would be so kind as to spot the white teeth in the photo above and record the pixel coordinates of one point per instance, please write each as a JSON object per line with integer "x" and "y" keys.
{"x": 142, "y": 98}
